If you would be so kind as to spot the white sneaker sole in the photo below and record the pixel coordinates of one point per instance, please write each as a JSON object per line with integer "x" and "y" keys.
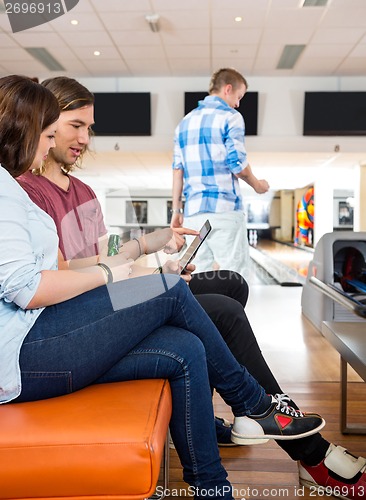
{"x": 261, "y": 438}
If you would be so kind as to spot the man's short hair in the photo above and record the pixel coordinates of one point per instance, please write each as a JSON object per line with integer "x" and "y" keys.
{"x": 226, "y": 76}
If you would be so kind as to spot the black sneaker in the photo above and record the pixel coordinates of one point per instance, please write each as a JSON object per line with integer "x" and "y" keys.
{"x": 280, "y": 421}
{"x": 223, "y": 433}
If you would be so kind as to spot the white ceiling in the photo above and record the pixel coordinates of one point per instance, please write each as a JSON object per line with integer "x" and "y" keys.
{"x": 195, "y": 38}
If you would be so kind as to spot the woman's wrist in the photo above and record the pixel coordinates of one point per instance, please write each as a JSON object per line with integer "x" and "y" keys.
{"x": 143, "y": 245}
{"x": 139, "y": 245}
{"x": 107, "y": 272}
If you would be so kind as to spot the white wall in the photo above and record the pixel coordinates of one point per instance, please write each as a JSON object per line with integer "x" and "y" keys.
{"x": 280, "y": 119}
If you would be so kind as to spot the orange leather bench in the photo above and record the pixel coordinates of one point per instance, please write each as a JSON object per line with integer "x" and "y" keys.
{"x": 103, "y": 442}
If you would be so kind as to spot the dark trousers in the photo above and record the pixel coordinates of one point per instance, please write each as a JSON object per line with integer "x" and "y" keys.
{"x": 223, "y": 295}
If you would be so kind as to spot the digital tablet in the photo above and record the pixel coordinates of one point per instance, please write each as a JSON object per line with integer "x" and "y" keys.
{"x": 194, "y": 246}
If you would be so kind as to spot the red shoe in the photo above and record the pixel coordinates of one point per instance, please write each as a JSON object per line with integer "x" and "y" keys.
{"x": 340, "y": 474}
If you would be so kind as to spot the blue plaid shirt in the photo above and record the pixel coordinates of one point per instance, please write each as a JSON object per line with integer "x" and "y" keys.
{"x": 209, "y": 148}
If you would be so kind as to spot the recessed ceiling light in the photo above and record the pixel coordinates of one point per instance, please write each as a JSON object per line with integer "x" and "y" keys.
{"x": 238, "y": 19}
{"x": 96, "y": 53}
{"x": 74, "y": 22}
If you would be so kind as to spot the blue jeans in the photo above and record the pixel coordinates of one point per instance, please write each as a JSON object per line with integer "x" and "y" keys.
{"x": 156, "y": 332}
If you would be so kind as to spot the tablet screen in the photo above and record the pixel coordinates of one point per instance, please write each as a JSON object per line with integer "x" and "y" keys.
{"x": 194, "y": 246}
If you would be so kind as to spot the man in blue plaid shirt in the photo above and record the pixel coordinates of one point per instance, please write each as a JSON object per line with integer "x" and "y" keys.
{"x": 209, "y": 158}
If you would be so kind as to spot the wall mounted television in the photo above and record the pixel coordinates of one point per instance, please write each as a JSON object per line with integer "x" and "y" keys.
{"x": 122, "y": 113}
{"x": 335, "y": 113}
{"x": 248, "y": 108}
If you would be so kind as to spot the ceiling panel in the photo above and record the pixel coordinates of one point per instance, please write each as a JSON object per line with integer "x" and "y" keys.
{"x": 121, "y": 5}
{"x": 236, "y": 36}
{"x": 92, "y": 39}
{"x": 330, "y": 35}
{"x": 33, "y": 39}
{"x": 121, "y": 21}
{"x": 191, "y": 5}
{"x": 87, "y": 21}
{"x": 136, "y": 52}
{"x": 107, "y": 53}
{"x": 210, "y": 25}
{"x": 182, "y": 66}
{"x": 328, "y": 50}
{"x": 187, "y": 36}
{"x": 195, "y": 38}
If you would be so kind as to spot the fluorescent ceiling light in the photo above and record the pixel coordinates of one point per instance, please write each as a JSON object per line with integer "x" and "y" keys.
{"x": 315, "y": 3}
{"x": 289, "y": 57}
{"x": 44, "y": 57}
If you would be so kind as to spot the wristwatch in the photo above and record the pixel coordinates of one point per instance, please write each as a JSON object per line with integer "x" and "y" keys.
{"x": 177, "y": 210}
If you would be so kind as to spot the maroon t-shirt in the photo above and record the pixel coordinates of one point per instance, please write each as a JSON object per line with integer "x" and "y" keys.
{"x": 76, "y": 212}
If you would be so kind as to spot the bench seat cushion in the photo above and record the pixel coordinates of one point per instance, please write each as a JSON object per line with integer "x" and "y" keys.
{"x": 103, "y": 442}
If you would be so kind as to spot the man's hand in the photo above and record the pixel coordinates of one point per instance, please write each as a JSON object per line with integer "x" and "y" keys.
{"x": 175, "y": 244}
{"x": 176, "y": 221}
{"x": 261, "y": 186}
{"x": 174, "y": 267}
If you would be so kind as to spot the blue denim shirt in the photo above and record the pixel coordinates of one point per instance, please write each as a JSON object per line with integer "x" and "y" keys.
{"x": 28, "y": 245}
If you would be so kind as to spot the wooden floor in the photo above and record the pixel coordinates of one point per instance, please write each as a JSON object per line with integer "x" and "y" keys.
{"x": 307, "y": 368}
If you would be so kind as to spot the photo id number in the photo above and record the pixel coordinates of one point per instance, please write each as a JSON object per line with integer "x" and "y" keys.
{"x": 339, "y": 491}
{"x": 33, "y": 8}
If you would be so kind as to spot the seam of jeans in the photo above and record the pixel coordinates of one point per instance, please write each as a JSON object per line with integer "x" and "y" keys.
{"x": 34, "y": 374}
{"x": 188, "y": 399}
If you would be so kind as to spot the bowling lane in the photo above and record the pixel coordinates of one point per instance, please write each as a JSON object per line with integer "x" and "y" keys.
{"x": 286, "y": 263}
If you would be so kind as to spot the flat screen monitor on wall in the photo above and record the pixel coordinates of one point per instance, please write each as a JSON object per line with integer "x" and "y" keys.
{"x": 335, "y": 113}
{"x": 248, "y": 108}
{"x": 122, "y": 113}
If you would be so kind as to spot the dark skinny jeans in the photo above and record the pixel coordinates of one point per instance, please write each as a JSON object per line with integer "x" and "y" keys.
{"x": 223, "y": 295}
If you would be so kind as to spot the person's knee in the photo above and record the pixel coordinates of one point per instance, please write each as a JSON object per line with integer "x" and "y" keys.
{"x": 239, "y": 288}
{"x": 179, "y": 343}
{"x": 192, "y": 350}
{"x": 229, "y": 313}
